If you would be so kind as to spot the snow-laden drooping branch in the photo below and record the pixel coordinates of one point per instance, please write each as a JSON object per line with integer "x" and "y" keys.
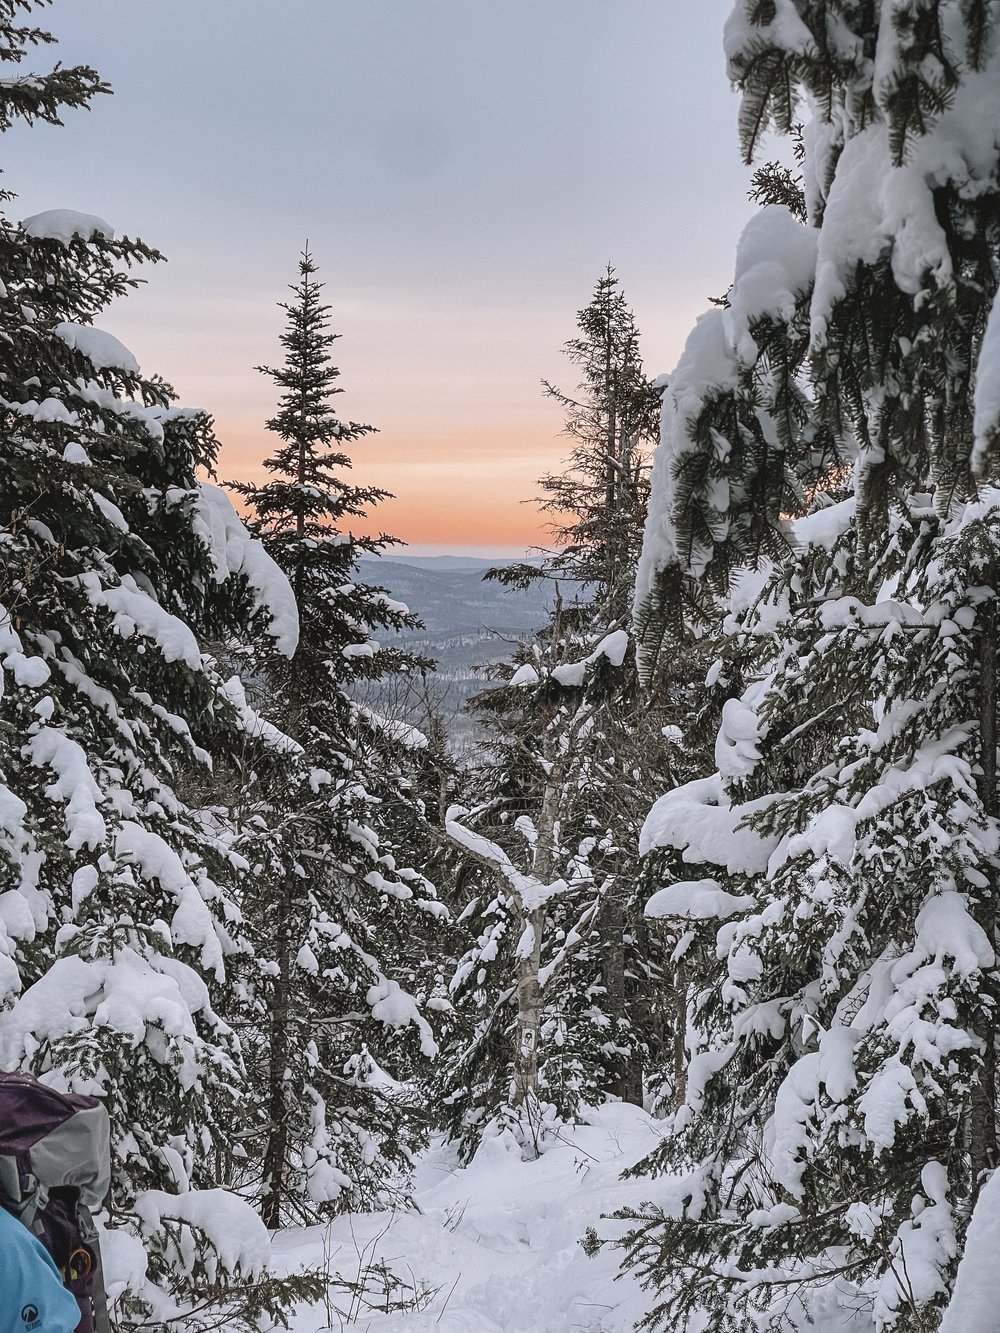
{"x": 233, "y": 551}
{"x": 532, "y": 893}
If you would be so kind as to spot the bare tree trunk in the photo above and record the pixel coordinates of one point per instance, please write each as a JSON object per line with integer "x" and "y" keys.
{"x": 983, "y": 1128}
{"x": 628, "y": 1083}
{"x": 276, "y": 1149}
{"x": 679, "y": 1036}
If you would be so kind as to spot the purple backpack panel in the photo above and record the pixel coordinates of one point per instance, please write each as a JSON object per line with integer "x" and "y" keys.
{"x": 60, "y": 1138}
{"x": 55, "y": 1168}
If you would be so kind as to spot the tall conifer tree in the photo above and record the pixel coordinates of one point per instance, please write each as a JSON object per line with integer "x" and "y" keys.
{"x": 571, "y": 756}
{"x": 320, "y": 826}
{"x": 598, "y": 500}
{"x": 833, "y": 885}
{"x": 120, "y": 919}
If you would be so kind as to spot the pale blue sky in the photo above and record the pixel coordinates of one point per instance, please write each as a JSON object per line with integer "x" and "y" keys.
{"x": 463, "y": 171}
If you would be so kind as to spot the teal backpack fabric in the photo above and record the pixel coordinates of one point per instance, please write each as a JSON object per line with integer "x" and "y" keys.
{"x": 32, "y": 1296}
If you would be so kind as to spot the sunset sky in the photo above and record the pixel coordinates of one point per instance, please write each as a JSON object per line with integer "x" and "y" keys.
{"x": 463, "y": 172}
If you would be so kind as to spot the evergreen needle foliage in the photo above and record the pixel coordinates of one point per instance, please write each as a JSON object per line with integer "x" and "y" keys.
{"x": 332, "y": 909}
{"x": 832, "y": 888}
{"x": 561, "y": 978}
{"x": 122, "y": 926}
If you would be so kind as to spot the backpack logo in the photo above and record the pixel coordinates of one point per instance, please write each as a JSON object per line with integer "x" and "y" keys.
{"x": 30, "y": 1316}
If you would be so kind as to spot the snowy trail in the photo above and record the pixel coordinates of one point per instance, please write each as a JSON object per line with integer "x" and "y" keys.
{"x": 496, "y": 1242}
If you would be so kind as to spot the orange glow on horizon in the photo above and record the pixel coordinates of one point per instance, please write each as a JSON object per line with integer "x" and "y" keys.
{"x": 449, "y": 491}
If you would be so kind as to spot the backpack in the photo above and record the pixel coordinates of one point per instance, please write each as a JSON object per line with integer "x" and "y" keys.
{"x": 55, "y": 1167}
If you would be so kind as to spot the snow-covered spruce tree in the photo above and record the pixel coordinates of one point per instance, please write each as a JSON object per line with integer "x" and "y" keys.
{"x": 836, "y": 879}
{"x": 333, "y": 914}
{"x": 598, "y": 500}
{"x": 531, "y": 987}
{"x": 118, "y": 917}
{"x": 598, "y": 503}
{"x": 567, "y": 777}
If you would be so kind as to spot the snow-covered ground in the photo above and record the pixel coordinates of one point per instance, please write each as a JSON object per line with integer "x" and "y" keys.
{"x": 493, "y": 1246}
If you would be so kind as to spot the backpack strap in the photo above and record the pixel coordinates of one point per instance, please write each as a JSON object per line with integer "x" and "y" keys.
{"x": 102, "y": 1317}
{"x": 17, "y": 1195}
{"x": 99, "y": 1293}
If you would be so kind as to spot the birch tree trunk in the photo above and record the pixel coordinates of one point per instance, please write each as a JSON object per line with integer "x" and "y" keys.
{"x": 529, "y": 1014}
{"x": 529, "y": 963}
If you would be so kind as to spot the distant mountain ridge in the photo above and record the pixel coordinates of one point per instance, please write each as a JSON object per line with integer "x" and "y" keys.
{"x": 450, "y": 599}
{"x": 469, "y": 624}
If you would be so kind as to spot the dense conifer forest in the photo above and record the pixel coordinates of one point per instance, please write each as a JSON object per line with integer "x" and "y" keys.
{"x": 669, "y": 1001}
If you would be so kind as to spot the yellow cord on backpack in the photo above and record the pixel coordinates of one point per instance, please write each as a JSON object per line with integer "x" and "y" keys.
{"x": 80, "y": 1264}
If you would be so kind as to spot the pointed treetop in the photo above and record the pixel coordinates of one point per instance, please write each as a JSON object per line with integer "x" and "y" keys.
{"x": 309, "y": 496}
{"x": 32, "y": 96}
